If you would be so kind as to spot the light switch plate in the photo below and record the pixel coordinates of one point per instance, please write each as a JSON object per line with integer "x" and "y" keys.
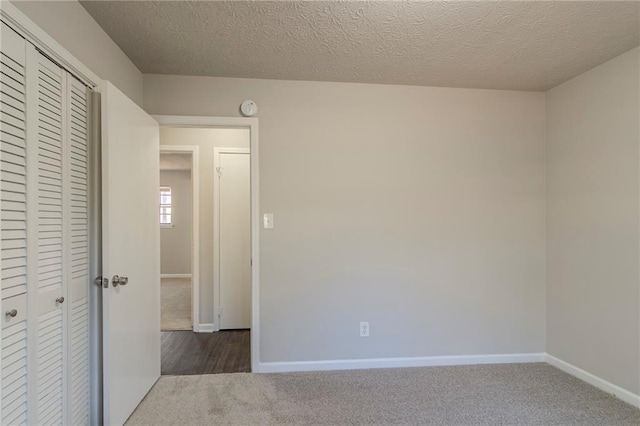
{"x": 268, "y": 221}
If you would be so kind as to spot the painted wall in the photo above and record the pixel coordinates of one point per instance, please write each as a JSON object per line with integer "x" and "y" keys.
{"x": 593, "y": 296}
{"x": 175, "y": 242}
{"x": 70, "y": 24}
{"x": 420, "y": 210}
{"x": 206, "y": 139}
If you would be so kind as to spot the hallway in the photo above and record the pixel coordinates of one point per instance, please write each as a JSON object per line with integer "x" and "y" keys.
{"x": 187, "y": 353}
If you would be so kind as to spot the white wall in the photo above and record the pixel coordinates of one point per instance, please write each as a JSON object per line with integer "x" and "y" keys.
{"x": 593, "y": 297}
{"x": 175, "y": 242}
{"x": 206, "y": 139}
{"x": 70, "y": 24}
{"x": 418, "y": 209}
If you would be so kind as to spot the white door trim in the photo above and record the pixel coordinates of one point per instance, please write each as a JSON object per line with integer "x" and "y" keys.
{"x": 252, "y": 125}
{"x": 195, "y": 226}
{"x": 216, "y": 228}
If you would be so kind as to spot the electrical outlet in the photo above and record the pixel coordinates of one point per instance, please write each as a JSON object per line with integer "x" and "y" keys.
{"x": 364, "y": 329}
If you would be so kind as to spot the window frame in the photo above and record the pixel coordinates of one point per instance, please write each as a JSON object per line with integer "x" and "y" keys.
{"x": 165, "y": 189}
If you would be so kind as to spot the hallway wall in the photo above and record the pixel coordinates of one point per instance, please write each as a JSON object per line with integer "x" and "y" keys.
{"x": 175, "y": 241}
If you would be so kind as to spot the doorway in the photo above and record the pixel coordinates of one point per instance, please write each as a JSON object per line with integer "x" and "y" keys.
{"x": 219, "y": 340}
{"x": 179, "y": 270}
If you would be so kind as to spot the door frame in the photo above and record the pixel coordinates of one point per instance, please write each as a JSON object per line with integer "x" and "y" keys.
{"x": 252, "y": 125}
{"x": 195, "y": 226}
{"x": 216, "y": 228}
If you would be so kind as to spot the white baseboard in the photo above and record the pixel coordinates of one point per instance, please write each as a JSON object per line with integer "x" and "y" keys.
{"x": 429, "y": 361}
{"x": 175, "y": 275}
{"x": 623, "y": 394}
{"x": 203, "y": 328}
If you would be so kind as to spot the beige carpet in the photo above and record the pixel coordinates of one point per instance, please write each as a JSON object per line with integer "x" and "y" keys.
{"x": 176, "y": 304}
{"x": 515, "y": 394}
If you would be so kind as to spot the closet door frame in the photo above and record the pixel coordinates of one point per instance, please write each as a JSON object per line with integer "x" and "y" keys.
{"x": 19, "y": 22}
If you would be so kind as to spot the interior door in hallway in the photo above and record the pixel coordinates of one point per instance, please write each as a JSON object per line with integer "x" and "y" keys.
{"x": 234, "y": 238}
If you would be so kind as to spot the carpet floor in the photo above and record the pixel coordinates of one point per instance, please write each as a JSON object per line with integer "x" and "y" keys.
{"x": 510, "y": 394}
{"x": 175, "y": 310}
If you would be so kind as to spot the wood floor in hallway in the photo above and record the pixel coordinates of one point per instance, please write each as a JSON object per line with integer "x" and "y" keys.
{"x": 186, "y": 352}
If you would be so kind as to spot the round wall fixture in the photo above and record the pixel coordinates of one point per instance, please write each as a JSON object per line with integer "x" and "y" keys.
{"x": 248, "y": 108}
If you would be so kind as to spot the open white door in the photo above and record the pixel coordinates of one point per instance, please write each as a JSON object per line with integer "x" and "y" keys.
{"x": 131, "y": 249}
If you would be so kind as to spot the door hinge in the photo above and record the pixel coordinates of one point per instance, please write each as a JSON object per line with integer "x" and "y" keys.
{"x": 219, "y": 170}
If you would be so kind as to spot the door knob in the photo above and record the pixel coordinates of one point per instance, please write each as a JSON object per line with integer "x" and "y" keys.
{"x": 60, "y": 300}
{"x": 118, "y": 280}
{"x": 12, "y": 313}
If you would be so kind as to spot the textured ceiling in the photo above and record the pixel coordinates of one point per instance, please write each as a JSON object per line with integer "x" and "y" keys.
{"x": 172, "y": 161}
{"x": 532, "y": 45}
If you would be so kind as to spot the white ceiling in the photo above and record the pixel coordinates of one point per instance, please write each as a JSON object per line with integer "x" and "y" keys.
{"x": 171, "y": 161}
{"x": 532, "y": 45}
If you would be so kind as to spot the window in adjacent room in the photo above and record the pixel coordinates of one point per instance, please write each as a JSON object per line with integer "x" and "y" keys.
{"x": 165, "y": 207}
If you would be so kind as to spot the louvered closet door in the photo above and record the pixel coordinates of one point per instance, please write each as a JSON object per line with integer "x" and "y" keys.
{"x": 46, "y": 139}
{"x": 58, "y": 226}
{"x": 13, "y": 240}
{"x": 44, "y": 239}
{"x": 78, "y": 265}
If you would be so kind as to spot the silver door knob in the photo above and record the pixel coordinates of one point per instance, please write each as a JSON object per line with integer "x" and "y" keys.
{"x": 60, "y": 300}
{"x": 118, "y": 280}
{"x": 12, "y": 313}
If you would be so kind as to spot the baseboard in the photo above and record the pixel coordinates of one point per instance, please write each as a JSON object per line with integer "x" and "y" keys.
{"x": 175, "y": 275}
{"x": 430, "y": 361}
{"x": 203, "y": 328}
{"x": 617, "y": 391}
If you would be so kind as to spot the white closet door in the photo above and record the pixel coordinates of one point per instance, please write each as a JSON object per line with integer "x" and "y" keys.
{"x": 13, "y": 237}
{"x": 78, "y": 259}
{"x": 46, "y": 141}
{"x": 235, "y": 240}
